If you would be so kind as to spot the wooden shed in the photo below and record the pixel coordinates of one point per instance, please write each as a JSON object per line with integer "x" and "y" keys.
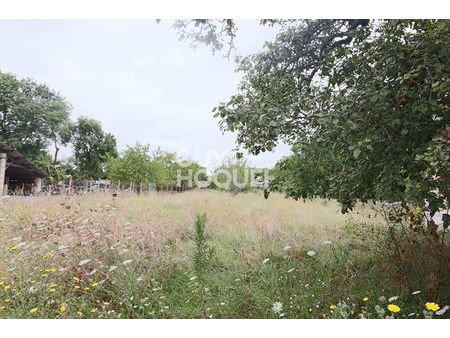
{"x": 17, "y": 173}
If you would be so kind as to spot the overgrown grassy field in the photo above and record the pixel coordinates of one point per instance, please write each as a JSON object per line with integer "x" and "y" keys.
{"x": 97, "y": 256}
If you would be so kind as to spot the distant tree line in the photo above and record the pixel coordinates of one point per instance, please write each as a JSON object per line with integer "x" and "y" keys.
{"x": 34, "y": 119}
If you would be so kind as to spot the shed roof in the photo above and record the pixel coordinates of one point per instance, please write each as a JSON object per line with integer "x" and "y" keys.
{"x": 19, "y": 166}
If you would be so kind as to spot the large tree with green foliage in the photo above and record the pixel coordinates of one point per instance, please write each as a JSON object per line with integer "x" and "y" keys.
{"x": 363, "y": 103}
{"x": 31, "y": 116}
{"x": 92, "y": 147}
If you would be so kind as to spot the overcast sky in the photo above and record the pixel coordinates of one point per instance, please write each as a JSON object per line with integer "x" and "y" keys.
{"x": 137, "y": 78}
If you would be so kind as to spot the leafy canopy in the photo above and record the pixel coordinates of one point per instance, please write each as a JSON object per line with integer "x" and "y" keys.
{"x": 363, "y": 104}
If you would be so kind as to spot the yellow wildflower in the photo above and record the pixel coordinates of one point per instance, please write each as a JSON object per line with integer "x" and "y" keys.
{"x": 44, "y": 256}
{"x": 3, "y": 278}
{"x": 76, "y": 287}
{"x": 393, "y": 308}
{"x": 44, "y": 275}
{"x": 2, "y": 308}
{"x": 62, "y": 308}
{"x": 13, "y": 248}
{"x": 79, "y": 313}
{"x": 75, "y": 278}
{"x": 52, "y": 269}
{"x": 106, "y": 303}
{"x": 18, "y": 293}
{"x": 332, "y": 307}
{"x": 52, "y": 290}
{"x": 33, "y": 310}
{"x": 7, "y": 300}
{"x": 93, "y": 310}
{"x": 86, "y": 288}
{"x": 432, "y": 306}
{"x": 33, "y": 281}
{"x": 1, "y": 283}
{"x": 47, "y": 270}
{"x": 53, "y": 285}
{"x": 95, "y": 284}
{"x": 7, "y": 287}
{"x": 49, "y": 253}
{"x": 365, "y": 299}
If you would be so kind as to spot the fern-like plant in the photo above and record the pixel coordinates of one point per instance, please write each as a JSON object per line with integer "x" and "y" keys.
{"x": 202, "y": 257}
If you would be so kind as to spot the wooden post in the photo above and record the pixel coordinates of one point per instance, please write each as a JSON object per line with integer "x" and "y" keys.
{"x": 118, "y": 185}
{"x": 37, "y": 185}
{"x": 69, "y": 189}
{"x": 91, "y": 180}
{"x": 2, "y": 173}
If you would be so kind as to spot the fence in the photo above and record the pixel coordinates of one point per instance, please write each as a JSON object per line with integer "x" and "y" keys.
{"x": 73, "y": 187}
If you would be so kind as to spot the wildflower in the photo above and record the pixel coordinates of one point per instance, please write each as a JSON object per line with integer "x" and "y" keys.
{"x": 95, "y": 284}
{"x": 79, "y": 313}
{"x": 47, "y": 270}
{"x": 105, "y": 303}
{"x": 311, "y": 253}
{"x": 7, "y": 300}
{"x": 75, "y": 278}
{"x": 44, "y": 275}
{"x": 393, "y": 298}
{"x": 93, "y": 310}
{"x": 52, "y": 290}
{"x": 128, "y": 261}
{"x": 53, "y": 285}
{"x": 393, "y": 308}
{"x": 33, "y": 289}
{"x": 1, "y": 283}
{"x": 286, "y": 248}
{"x": 76, "y": 287}
{"x": 332, "y": 307}
{"x": 53, "y": 270}
{"x": 84, "y": 261}
{"x": 265, "y": 260}
{"x": 365, "y": 299}
{"x": 13, "y": 248}
{"x": 33, "y": 281}
{"x": 33, "y": 310}
{"x": 416, "y": 292}
{"x": 86, "y": 288}
{"x": 442, "y": 311}
{"x": 2, "y": 308}
{"x": 277, "y": 307}
{"x": 7, "y": 287}
{"x": 62, "y": 308}
{"x": 432, "y": 306}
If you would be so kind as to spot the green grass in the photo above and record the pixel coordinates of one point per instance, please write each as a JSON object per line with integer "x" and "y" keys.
{"x": 156, "y": 232}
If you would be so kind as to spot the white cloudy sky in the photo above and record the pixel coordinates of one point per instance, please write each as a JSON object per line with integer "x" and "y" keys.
{"x": 137, "y": 78}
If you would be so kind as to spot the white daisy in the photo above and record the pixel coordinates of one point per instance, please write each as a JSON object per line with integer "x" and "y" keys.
{"x": 311, "y": 253}
{"x": 277, "y": 307}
